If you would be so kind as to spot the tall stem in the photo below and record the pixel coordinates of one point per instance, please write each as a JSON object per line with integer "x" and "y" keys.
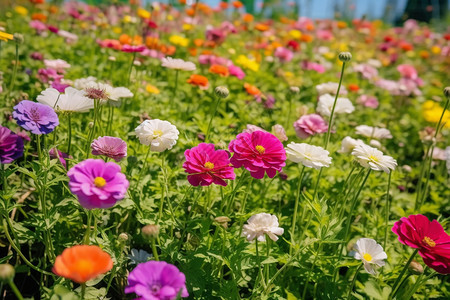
{"x": 176, "y": 83}
{"x": 212, "y": 117}
{"x": 386, "y": 212}
{"x": 131, "y": 68}
{"x": 16, "y": 63}
{"x": 69, "y": 143}
{"x": 294, "y": 219}
{"x": 349, "y": 296}
{"x": 15, "y": 290}
{"x": 397, "y": 281}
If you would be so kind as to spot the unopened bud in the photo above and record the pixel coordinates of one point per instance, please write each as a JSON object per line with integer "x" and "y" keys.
{"x": 18, "y": 38}
{"x": 222, "y": 92}
{"x": 7, "y": 272}
{"x": 223, "y": 221}
{"x": 415, "y": 268}
{"x": 447, "y": 92}
{"x": 112, "y": 58}
{"x": 345, "y": 56}
{"x": 137, "y": 63}
{"x": 150, "y": 231}
{"x": 91, "y": 124}
{"x": 123, "y": 237}
{"x": 294, "y": 89}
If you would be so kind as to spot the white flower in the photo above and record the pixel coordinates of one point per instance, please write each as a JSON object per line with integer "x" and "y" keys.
{"x": 83, "y": 83}
{"x": 370, "y": 252}
{"x": 71, "y": 100}
{"x": 348, "y": 144}
{"x": 56, "y": 64}
{"x": 110, "y": 92}
{"x": 373, "y": 132}
{"x": 330, "y": 88}
{"x": 279, "y": 132}
{"x": 261, "y": 224}
{"x": 310, "y": 156}
{"x": 178, "y": 64}
{"x": 159, "y": 135}
{"x": 70, "y": 37}
{"x": 373, "y": 158}
{"x": 325, "y": 105}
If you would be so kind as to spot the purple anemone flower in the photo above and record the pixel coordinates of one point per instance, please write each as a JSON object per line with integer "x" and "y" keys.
{"x": 157, "y": 280}
{"x": 97, "y": 184}
{"x": 11, "y": 146}
{"x": 35, "y": 117}
{"x": 109, "y": 146}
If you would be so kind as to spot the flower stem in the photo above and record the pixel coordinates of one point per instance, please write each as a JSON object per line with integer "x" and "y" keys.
{"x": 386, "y": 212}
{"x": 131, "y": 68}
{"x": 176, "y": 83}
{"x": 83, "y": 290}
{"x": 294, "y": 219}
{"x": 212, "y": 117}
{"x": 69, "y": 143}
{"x": 87, "y": 235}
{"x": 317, "y": 184}
{"x": 260, "y": 274}
{"x": 349, "y": 296}
{"x": 16, "y": 63}
{"x": 154, "y": 250}
{"x": 397, "y": 281}
{"x": 15, "y": 289}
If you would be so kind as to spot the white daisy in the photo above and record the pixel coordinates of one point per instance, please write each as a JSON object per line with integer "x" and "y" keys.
{"x": 330, "y": 88}
{"x": 83, "y": 83}
{"x": 261, "y": 224}
{"x": 72, "y": 100}
{"x": 370, "y": 252}
{"x": 373, "y": 158}
{"x": 310, "y": 156}
{"x": 159, "y": 135}
{"x": 178, "y": 64}
{"x": 348, "y": 144}
{"x": 373, "y": 132}
{"x": 325, "y": 105}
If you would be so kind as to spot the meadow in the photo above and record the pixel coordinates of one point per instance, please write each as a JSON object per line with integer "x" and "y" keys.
{"x": 188, "y": 151}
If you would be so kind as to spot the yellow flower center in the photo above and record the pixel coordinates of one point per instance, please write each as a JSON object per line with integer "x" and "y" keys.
{"x": 260, "y": 149}
{"x": 157, "y": 133}
{"x": 374, "y": 158}
{"x": 99, "y": 182}
{"x": 209, "y": 165}
{"x": 429, "y": 241}
{"x": 367, "y": 257}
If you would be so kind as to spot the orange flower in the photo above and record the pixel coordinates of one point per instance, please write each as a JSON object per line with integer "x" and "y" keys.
{"x": 220, "y": 70}
{"x": 306, "y": 38}
{"x": 223, "y": 5}
{"x": 82, "y": 263}
{"x": 341, "y": 24}
{"x": 406, "y": 46}
{"x": 251, "y": 89}
{"x": 248, "y": 18}
{"x": 198, "y": 80}
{"x": 262, "y": 27}
{"x": 353, "y": 87}
{"x": 53, "y": 9}
{"x": 125, "y": 39}
{"x": 424, "y": 54}
{"x": 190, "y": 12}
{"x": 198, "y": 42}
{"x": 182, "y": 2}
{"x": 237, "y": 4}
{"x": 39, "y": 16}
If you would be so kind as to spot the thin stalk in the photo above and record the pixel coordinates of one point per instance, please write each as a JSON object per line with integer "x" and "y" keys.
{"x": 386, "y": 212}
{"x": 349, "y": 296}
{"x": 83, "y": 290}
{"x": 176, "y": 83}
{"x": 317, "y": 184}
{"x": 131, "y": 68}
{"x": 13, "y": 78}
{"x": 212, "y": 117}
{"x": 15, "y": 289}
{"x": 294, "y": 219}
{"x": 267, "y": 266}
{"x": 258, "y": 261}
{"x": 69, "y": 143}
{"x": 305, "y": 288}
{"x": 397, "y": 281}
{"x": 233, "y": 194}
{"x": 420, "y": 182}
{"x": 154, "y": 250}
{"x": 418, "y": 283}
{"x": 87, "y": 235}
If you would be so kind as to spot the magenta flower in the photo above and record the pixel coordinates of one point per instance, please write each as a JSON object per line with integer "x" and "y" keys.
{"x": 109, "y": 146}
{"x": 236, "y": 72}
{"x": 309, "y": 125}
{"x": 156, "y": 280}
{"x": 259, "y": 152}
{"x": 366, "y": 71}
{"x": 60, "y": 87}
{"x": 216, "y": 35}
{"x": 57, "y": 154}
{"x": 284, "y": 54}
{"x": 49, "y": 75}
{"x": 367, "y": 101}
{"x": 35, "y": 117}
{"x": 130, "y": 48}
{"x": 11, "y": 146}
{"x": 207, "y": 165}
{"x": 307, "y": 65}
{"x": 97, "y": 184}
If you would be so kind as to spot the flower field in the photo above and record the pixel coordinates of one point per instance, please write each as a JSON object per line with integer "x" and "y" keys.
{"x": 196, "y": 152}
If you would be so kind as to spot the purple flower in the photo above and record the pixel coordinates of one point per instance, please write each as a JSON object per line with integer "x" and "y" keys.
{"x": 157, "y": 280}
{"x": 35, "y": 117}
{"x": 109, "y": 146}
{"x": 11, "y": 146}
{"x": 59, "y": 155}
{"x": 97, "y": 184}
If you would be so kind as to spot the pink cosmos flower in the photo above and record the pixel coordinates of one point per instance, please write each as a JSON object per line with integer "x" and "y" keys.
{"x": 236, "y": 72}
{"x": 284, "y": 54}
{"x": 97, "y": 184}
{"x": 60, "y": 87}
{"x": 216, "y": 35}
{"x": 309, "y": 125}
{"x": 207, "y": 165}
{"x": 367, "y": 101}
{"x": 252, "y": 128}
{"x": 259, "y": 152}
{"x": 109, "y": 146}
{"x": 38, "y": 26}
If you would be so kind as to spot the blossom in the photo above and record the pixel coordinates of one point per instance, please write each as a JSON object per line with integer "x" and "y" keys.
{"x": 199, "y": 80}
{"x": 259, "y": 152}
{"x": 252, "y": 128}
{"x": 373, "y": 158}
{"x": 97, "y": 184}
{"x": 59, "y": 86}
{"x": 283, "y": 54}
{"x": 207, "y": 165}
{"x": 309, "y": 125}
{"x": 159, "y": 135}
{"x": 366, "y": 70}
{"x": 325, "y": 105}
{"x": 11, "y": 146}
{"x": 132, "y": 48}
{"x": 157, "y": 280}
{"x": 104, "y": 91}
{"x": 35, "y": 117}
{"x": 310, "y": 156}
{"x": 370, "y": 252}
{"x": 236, "y": 72}
{"x": 373, "y": 132}
{"x": 219, "y": 70}
{"x": 56, "y": 64}
{"x": 407, "y": 71}
{"x": 57, "y": 154}
{"x": 279, "y": 132}
{"x": 72, "y": 100}
{"x": 83, "y": 83}
{"x": 348, "y": 144}
{"x": 330, "y": 88}
{"x": 367, "y": 101}
{"x": 82, "y": 263}
{"x": 178, "y": 64}
{"x": 261, "y": 224}
{"x": 109, "y": 146}
{"x": 307, "y": 65}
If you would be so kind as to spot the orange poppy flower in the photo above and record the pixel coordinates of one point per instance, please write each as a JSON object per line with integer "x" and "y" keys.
{"x": 198, "y": 80}
{"x": 341, "y": 25}
{"x": 182, "y": 2}
{"x": 262, "y": 27}
{"x": 190, "y": 12}
{"x": 237, "y": 4}
{"x": 251, "y": 89}
{"x": 248, "y": 18}
{"x": 353, "y": 87}
{"x": 193, "y": 51}
{"x": 220, "y": 70}
{"x": 82, "y": 263}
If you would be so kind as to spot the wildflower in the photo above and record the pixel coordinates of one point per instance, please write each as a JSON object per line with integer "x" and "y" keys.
{"x": 60, "y": 87}
{"x": 373, "y": 132}
{"x": 179, "y": 40}
{"x": 348, "y": 144}
{"x": 370, "y": 252}
{"x": 259, "y": 152}
{"x": 83, "y": 83}
{"x": 279, "y": 132}
{"x": 57, "y": 154}
{"x": 72, "y": 100}
{"x": 283, "y": 54}
{"x": 310, "y": 156}
{"x": 326, "y": 102}
{"x": 432, "y": 113}
{"x": 373, "y": 158}
{"x": 313, "y": 66}
{"x": 133, "y": 48}
{"x": 139, "y": 256}
{"x": 367, "y": 101}
{"x": 157, "y": 280}
{"x": 82, "y": 263}
{"x": 367, "y": 71}
{"x": 152, "y": 89}
{"x": 178, "y": 64}
{"x": 11, "y": 146}
{"x": 219, "y": 70}
{"x": 159, "y": 135}
{"x": 261, "y": 224}
{"x": 150, "y": 231}
{"x": 56, "y": 64}
{"x": 103, "y": 91}
{"x": 35, "y": 117}
{"x": 330, "y": 88}
{"x": 207, "y": 165}
{"x": 309, "y": 125}
{"x": 247, "y": 63}
{"x": 97, "y": 184}
{"x": 236, "y": 72}
{"x": 251, "y": 89}
{"x": 109, "y": 146}
{"x": 6, "y": 36}
{"x": 345, "y": 56}
{"x": 199, "y": 80}
{"x": 221, "y": 92}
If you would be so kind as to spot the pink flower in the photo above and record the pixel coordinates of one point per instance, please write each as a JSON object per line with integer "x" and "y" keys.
{"x": 407, "y": 71}
{"x": 97, "y": 184}
{"x": 325, "y": 35}
{"x": 284, "y": 54}
{"x": 307, "y": 65}
{"x": 38, "y": 26}
{"x": 130, "y": 48}
{"x": 366, "y": 70}
{"x": 236, "y": 71}
{"x": 57, "y": 154}
{"x": 368, "y": 101}
{"x": 207, "y": 165}
{"x": 252, "y": 128}
{"x": 309, "y": 125}
{"x": 60, "y": 87}
{"x": 216, "y": 35}
{"x": 109, "y": 146}
{"x": 259, "y": 152}
{"x": 49, "y": 75}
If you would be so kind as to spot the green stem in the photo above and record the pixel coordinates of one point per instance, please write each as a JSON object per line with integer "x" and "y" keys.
{"x": 386, "y": 212}
{"x": 69, "y": 144}
{"x": 15, "y": 290}
{"x": 397, "y": 281}
{"x": 294, "y": 219}
{"x": 154, "y": 250}
{"x": 83, "y": 290}
{"x": 211, "y": 119}
{"x": 305, "y": 288}
{"x": 258, "y": 261}
{"x": 349, "y": 296}
{"x": 13, "y": 78}
{"x": 317, "y": 184}
{"x": 233, "y": 194}
{"x": 176, "y": 83}
{"x": 131, "y": 68}
{"x": 87, "y": 235}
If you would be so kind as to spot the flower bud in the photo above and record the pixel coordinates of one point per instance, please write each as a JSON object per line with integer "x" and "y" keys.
{"x": 7, "y": 272}
{"x": 150, "y": 231}
{"x": 123, "y": 237}
{"x": 345, "y": 56}
{"x": 447, "y": 92}
{"x": 222, "y": 92}
{"x": 223, "y": 221}
{"x": 112, "y": 58}
{"x": 294, "y": 89}
{"x": 18, "y": 38}
{"x": 137, "y": 63}
{"x": 415, "y": 268}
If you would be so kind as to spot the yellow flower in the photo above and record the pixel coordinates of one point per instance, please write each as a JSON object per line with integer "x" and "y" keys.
{"x": 436, "y": 49}
{"x": 329, "y": 55}
{"x": 5, "y": 36}
{"x": 152, "y": 89}
{"x": 127, "y": 19}
{"x": 187, "y": 27}
{"x": 247, "y": 63}
{"x": 117, "y": 29}
{"x": 288, "y": 74}
{"x": 169, "y": 18}
{"x": 179, "y": 40}
{"x": 432, "y": 112}
{"x": 296, "y": 34}
{"x": 144, "y": 14}
{"x": 21, "y": 10}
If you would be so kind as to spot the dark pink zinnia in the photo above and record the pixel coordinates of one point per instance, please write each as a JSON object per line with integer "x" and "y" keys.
{"x": 109, "y": 146}
{"x": 132, "y": 48}
{"x": 259, "y": 152}
{"x": 207, "y": 165}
